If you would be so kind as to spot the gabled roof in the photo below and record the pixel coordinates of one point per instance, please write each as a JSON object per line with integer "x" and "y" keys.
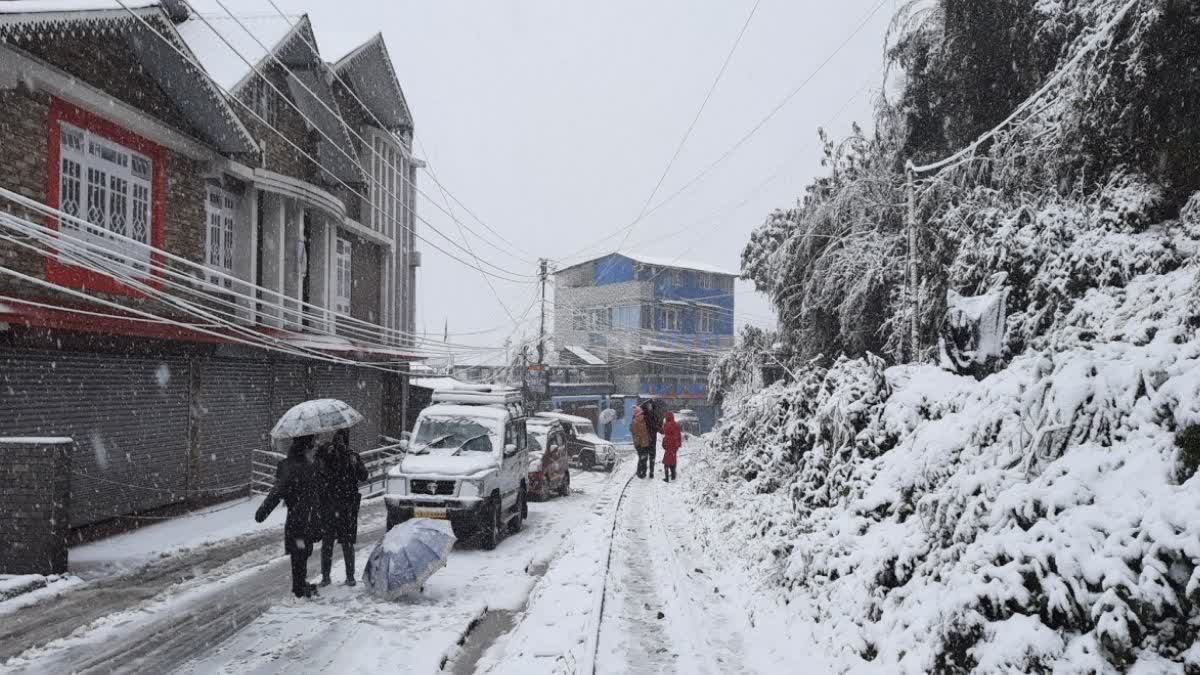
{"x": 369, "y": 71}
{"x": 235, "y": 50}
{"x": 201, "y": 103}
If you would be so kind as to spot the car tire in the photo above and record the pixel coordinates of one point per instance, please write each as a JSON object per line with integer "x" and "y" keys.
{"x": 491, "y": 524}
{"x": 565, "y": 489}
{"x": 587, "y": 460}
{"x": 518, "y": 521}
{"x": 394, "y": 518}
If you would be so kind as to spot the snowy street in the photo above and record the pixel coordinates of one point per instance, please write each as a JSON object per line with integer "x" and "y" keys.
{"x": 224, "y": 607}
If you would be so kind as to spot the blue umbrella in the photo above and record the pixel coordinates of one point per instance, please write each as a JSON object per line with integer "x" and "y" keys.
{"x": 408, "y": 555}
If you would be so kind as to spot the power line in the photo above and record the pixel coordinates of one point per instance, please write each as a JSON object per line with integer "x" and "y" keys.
{"x": 757, "y": 126}
{"x": 696, "y": 118}
{"x": 190, "y": 59}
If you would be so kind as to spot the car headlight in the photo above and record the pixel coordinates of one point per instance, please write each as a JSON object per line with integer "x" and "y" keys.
{"x": 397, "y": 486}
{"x": 470, "y": 488}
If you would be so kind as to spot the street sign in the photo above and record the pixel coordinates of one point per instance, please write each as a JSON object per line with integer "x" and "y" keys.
{"x": 535, "y": 379}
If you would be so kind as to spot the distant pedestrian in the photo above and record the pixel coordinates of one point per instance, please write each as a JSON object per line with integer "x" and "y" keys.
{"x": 343, "y": 471}
{"x": 672, "y": 440}
{"x": 298, "y": 484}
{"x": 653, "y": 415}
{"x": 642, "y": 439}
{"x": 607, "y": 417}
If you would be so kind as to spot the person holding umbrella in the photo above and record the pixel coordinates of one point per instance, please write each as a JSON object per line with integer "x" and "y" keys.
{"x": 300, "y": 481}
{"x": 299, "y": 485}
{"x": 344, "y": 471}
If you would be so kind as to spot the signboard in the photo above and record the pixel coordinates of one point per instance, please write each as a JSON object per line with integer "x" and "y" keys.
{"x": 536, "y": 379}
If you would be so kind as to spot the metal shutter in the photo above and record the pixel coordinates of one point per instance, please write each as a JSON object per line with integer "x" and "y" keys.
{"x": 362, "y": 388}
{"x": 289, "y": 386}
{"x": 128, "y": 416}
{"x": 233, "y": 416}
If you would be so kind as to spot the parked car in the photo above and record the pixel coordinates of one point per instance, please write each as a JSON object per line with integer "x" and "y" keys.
{"x": 688, "y": 421}
{"x": 549, "y": 470}
{"x": 466, "y": 462}
{"x": 585, "y": 449}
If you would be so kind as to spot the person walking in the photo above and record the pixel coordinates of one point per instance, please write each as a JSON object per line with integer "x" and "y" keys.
{"x": 672, "y": 440}
{"x": 640, "y": 430}
{"x": 343, "y": 470}
{"x": 298, "y": 484}
{"x": 653, "y": 416}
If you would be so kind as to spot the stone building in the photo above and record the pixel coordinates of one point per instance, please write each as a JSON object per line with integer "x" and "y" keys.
{"x": 255, "y": 251}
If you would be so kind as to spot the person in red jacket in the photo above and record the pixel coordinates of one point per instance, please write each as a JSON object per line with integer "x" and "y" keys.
{"x": 672, "y": 439}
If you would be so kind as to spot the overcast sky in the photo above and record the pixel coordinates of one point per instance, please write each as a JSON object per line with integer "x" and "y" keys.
{"x": 552, "y": 120}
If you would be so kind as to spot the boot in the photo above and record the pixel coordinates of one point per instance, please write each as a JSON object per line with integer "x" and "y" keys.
{"x": 348, "y": 556}
{"x": 326, "y": 561}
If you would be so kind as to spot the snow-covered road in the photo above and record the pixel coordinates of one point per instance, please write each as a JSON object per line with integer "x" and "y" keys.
{"x": 607, "y": 580}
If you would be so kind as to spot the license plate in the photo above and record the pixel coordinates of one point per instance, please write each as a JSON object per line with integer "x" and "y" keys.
{"x": 439, "y": 514}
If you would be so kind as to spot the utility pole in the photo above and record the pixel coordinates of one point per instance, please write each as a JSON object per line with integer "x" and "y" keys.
{"x": 541, "y": 346}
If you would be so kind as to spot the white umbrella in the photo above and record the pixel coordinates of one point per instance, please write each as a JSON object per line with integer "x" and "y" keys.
{"x": 315, "y": 417}
{"x": 408, "y": 555}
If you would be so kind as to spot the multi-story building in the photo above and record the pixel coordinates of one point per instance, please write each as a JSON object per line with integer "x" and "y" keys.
{"x": 253, "y": 251}
{"x": 658, "y": 325}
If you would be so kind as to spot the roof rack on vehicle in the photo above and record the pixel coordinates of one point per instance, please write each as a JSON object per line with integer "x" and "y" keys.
{"x": 479, "y": 395}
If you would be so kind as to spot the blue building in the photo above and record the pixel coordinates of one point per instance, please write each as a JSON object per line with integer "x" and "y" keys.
{"x": 657, "y": 324}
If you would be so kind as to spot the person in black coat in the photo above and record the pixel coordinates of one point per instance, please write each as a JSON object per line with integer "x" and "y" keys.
{"x": 654, "y": 419}
{"x": 299, "y": 484}
{"x": 344, "y": 471}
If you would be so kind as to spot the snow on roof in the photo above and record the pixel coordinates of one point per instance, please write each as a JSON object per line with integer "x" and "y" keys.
{"x": 667, "y": 350}
{"x": 44, "y": 6}
{"x": 585, "y": 356}
{"x": 436, "y": 383}
{"x": 483, "y": 411}
{"x": 203, "y": 36}
{"x": 677, "y": 264}
{"x": 563, "y": 417}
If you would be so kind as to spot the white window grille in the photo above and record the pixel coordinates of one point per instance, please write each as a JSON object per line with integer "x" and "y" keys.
{"x": 627, "y": 317}
{"x": 668, "y": 319}
{"x": 707, "y": 281}
{"x": 220, "y": 210}
{"x": 109, "y": 186}
{"x": 707, "y": 320}
{"x": 342, "y": 279}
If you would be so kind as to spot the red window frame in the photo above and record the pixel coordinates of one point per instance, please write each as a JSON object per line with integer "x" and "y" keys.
{"x": 77, "y": 277}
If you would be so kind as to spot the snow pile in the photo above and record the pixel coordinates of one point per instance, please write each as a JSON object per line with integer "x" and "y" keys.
{"x": 1040, "y": 520}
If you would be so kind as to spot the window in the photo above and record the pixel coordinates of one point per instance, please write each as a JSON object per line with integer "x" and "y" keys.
{"x": 676, "y": 278}
{"x": 668, "y": 319}
{"x": 707, "y": 281}
{"x": 627, "y": 317}
{"x": 388, "y": 193}
{"x": 262, "y": 100}
{"x": 343, "y": 280}
{"x": 108, "y": 185}
{"x": 600, "y": 319}
{"x": 706, "y": 321}
{"x": 220, "y": 212}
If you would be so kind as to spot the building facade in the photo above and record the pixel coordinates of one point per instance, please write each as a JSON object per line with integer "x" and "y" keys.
{"x": 657, "y": 324}
{"x": 192, "y": 245}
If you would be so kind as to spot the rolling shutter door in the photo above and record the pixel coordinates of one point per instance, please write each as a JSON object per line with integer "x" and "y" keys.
{"x": 128, "y": 416}
{"x": 289, "y": 386}
{"x": 362, "y": 388}
{"x": 234, "y": 419}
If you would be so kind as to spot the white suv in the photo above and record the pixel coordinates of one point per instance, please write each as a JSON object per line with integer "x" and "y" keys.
{"x": 466, "y": 462}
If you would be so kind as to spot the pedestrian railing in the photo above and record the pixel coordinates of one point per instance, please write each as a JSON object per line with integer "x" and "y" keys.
{"x": 378, "y": 461}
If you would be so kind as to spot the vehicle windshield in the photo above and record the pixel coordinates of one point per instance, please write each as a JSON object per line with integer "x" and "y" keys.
{"x": 584, "y": 428}
{"x": 452, "y": 431}
{"x": 537, "y": 438}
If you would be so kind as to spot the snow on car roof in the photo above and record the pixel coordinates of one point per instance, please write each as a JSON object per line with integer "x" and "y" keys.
{"x": 486, "y": 411}
{"x": 563, "y": 417}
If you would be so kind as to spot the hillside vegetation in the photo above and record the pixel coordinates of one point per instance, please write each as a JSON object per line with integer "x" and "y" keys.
{"x": 1012, "y": 499}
